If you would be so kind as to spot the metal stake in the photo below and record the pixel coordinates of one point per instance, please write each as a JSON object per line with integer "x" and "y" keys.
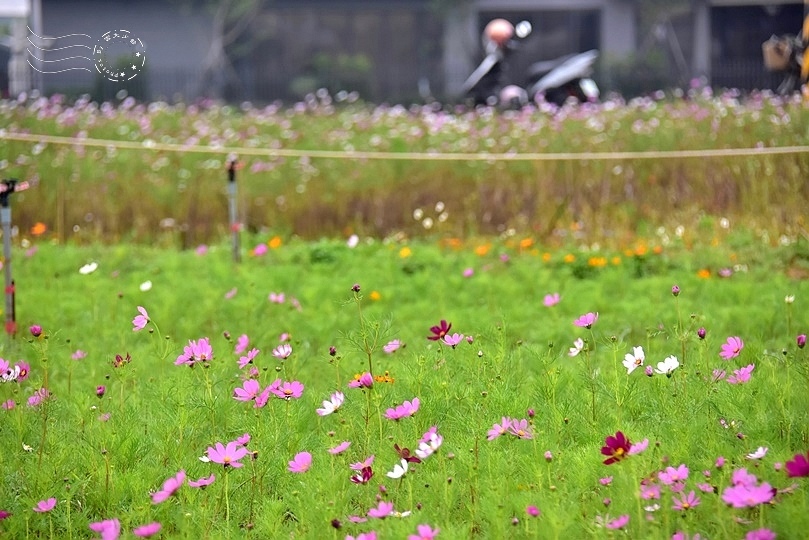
{"x": 7, "y": 187}
{"x": 232, "y": 210}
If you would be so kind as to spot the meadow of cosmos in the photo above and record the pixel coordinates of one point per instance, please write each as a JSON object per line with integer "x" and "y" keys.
{"x": 439, "y": 385}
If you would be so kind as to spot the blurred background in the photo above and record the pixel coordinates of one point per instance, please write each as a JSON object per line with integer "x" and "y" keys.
{"x": 398, "y": 51}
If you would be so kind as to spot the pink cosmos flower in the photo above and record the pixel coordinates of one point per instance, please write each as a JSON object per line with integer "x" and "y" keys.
{"x": 145, "y": 531}
{"x": 499, "y": 429}
{"x": 243, "y": 439}
{"x": 241, "y": 344}
{"x": 301, "y": 462}
{"x": 140, "y": 321}
{"x": 551, "y": 300}
{"x": 46, "y": 505}
{"x": 78, "y": 355}
{"x": 606, "y": 481}
{"x": 362, "y": 464}
{"x": 425, "y": 532}
{"x": 452, "y": 340}
{"x": 760, "y": 534}
{"x": 23, "y": 370}
{"x": 248, "y": 392}
{"x": 264, "y": 396}
{"x": 746, "y": 492}
{"x": 741, "y": 376}
{"x": 109, "y": 529}
{"x": 619, "y": 522}
{"x": 649, "y": 491}
{"x": 798, "y": 466}
{"x": 38, "y": 397}
{"x": 4, "y": 514}
{"x": 532, "y": 511}
{"x": 587, "y": 320}
{"x": 231, "y": 293}
{"x": 684, "y": 502}
{"x": 248, "y": 359}
{"x": 428, "y": 447}
{"x": 672, "y": 475}
{"x": 170, "y": 487}
{"x": 382, "y": 510}
{"x": 520, "y": 429}
{"x": 201, "y": 250}
{"x": 392, "y": 346}
{"x": 468, "y": 272}
{"x": 9, "y": 404}
{"x": 288, "y": 390}
{"x": 260, "y": 250}
{"x": 329, "y": 406}
{"x": 340, "y": 448}
{"x": 637, "y": 448}
{"x": 282, "y": 351}
{"x": 362, "y": 381}
{"x": 202, "y": 482}
{"x": 732, "y": 348}
{"x": 404, "y": 410}
{"x": 277, "y": 298}
{"x": 229, "y": 455}
{"x": 370, "y": 535}
{"x": 717, "y": 375}
{"x": 195, "y": 351}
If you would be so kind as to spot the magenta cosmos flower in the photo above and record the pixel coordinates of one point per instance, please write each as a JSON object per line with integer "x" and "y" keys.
{"x": 424, "y": 532}
{"x": 229, "y": 455}
{"x": 408, "y": 408}
{"x": 301, "y": 462}
{"x": 145, "y": 531}
{"x": 109, "y": 529}
{"x": 731, "y": 348}
{"x": 798, "y": 466}
{"x": 616, "y": 448}
{"x": 287, "y": 390}
{"x": 587, "y": 320}
{"x": 195, "y": 351}
{"x": 46, "y": 505}
{"x": 140, "y": 321}
{"x": 440, "y": 330}
{"x": 170, "y": 487}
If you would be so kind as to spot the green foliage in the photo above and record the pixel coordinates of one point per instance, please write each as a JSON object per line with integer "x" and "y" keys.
{"x": 163, "y": 416}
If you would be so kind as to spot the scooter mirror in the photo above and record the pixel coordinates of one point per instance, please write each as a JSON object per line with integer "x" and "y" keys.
{"x": 522, "y": 29}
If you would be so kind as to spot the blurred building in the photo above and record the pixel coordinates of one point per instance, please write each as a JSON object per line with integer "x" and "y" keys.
{"x": 391, "y": 50}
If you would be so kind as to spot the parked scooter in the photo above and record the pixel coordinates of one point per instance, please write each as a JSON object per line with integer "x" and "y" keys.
{"x": 785, "y": 54}
{"x": 555, "y": 81}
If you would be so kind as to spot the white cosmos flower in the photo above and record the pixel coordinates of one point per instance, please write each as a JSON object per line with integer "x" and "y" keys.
{"x": 353, "y": 241}
{"x": 760, "y": 452}
{"x": 398, "y": 470}
{"x": 577, "y": 347}
{"x": 426, "y": 449}
{"x": 146, "y": 285}
{"x": 10, "y": 374}
{"x": 668, "y": 365}
{"x": 634, "y": 360}
{"x": 329, "y": 406}
{"x": 88, "y": 268}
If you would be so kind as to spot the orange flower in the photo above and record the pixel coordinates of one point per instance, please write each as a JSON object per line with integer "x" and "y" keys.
{"x": 657, "y": 250}
{"x": 704, "y": 273}
{"x": 526, "y": 243}
{"x": 38, "y": 228}
{"x": 616, "y": 260}
{"x": 597, "y": 262}
{"x": 482, "y": 249}
{"x": 454, "y": 243}
{"x": 641, "y": 250}
{"x": 569, "y": 258}
{"x": 546, "y": 257}
{"x": 275, "y": 242}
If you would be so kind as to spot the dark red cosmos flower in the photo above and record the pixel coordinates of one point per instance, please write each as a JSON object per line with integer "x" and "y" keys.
{"x": 362, "y": 477}
{"x": 799, "y": 466}
{"x": 439, "y": 330}
{"x": 405, "y": 454}
{"x": 617, "y": 448}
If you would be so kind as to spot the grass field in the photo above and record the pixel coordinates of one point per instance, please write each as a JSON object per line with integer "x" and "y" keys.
{"x": 513, "y": 430}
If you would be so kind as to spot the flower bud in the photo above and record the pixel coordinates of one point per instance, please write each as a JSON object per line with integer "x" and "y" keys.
{"x": 675, "y": 290}
{"x": 701, "y": 333}
{"x": 801, "y": 340}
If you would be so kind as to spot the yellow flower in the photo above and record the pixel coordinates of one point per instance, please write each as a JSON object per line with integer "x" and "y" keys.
{"x": 597, "y": 262}
{"x": 546, "y": 257}
{"x": 616, "y": 260}
{"x": 405, "y": 252}
{"x": 275, "y": 242}
{"x": 569, "y": 258}
{"x": 374, "y": 295}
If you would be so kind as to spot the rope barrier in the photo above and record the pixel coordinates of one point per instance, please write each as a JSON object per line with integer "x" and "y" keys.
{"x": 409, "y": 156}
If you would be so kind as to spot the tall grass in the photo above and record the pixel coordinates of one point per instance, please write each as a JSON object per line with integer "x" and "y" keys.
{"x": 90, "y": 193}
